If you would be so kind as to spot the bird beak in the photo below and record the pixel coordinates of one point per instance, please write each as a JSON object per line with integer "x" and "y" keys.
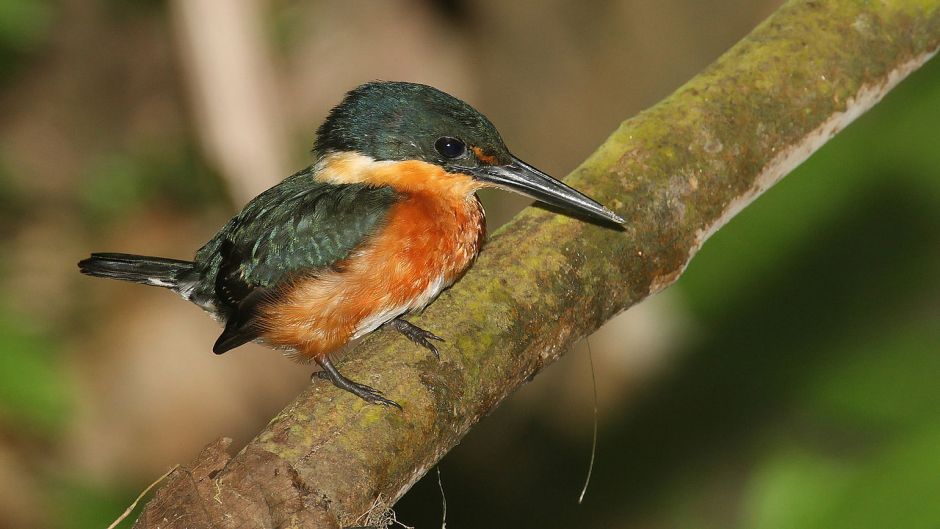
{"x": 522, "y": 178}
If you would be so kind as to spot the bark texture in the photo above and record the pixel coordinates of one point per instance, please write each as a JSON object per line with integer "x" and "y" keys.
{"x": 677, "y": 172}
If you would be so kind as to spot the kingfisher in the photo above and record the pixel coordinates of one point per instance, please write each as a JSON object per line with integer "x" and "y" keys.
{"x": 385, "y": 218}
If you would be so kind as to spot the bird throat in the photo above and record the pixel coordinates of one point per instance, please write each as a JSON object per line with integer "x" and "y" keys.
{"x": 403, "y": 176}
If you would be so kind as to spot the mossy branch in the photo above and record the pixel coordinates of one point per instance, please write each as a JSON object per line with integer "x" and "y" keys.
{"x": 677, "y": 172}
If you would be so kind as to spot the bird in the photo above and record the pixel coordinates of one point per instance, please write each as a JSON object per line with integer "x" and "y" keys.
{"x": 385, "y": 218}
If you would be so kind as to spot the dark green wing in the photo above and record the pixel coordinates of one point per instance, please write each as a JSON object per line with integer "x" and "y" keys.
{"x": 298, "y": 226}
{"x": 310, "y": 228}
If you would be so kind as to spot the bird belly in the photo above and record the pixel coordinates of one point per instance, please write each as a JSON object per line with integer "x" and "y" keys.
{"x": 400, "y": 270}
{"x": 383, "y": 316}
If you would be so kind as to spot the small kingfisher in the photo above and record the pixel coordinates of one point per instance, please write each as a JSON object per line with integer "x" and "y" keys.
{"x": 384, "y": 220}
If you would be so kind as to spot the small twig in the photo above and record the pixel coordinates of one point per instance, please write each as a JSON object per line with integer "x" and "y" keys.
{"x": 587, "y": 479}
{"x": 133, "y": 505}
{"x": 440, "y": 485}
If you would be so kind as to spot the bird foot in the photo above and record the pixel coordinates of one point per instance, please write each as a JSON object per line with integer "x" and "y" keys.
{"x": 364, "y": 392}
{"x": 416, "y": 334}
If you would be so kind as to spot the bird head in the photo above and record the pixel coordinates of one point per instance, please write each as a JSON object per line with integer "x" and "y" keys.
{"x": 407, "y": 122}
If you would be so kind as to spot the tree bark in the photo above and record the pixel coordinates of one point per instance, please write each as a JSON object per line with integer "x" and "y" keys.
{"x": 677, "y": 172}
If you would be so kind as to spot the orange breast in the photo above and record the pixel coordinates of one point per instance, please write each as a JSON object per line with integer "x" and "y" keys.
{"x": 428, "y": 241}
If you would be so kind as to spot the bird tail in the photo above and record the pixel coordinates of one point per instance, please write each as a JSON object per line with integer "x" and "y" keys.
{"x": 154, "y": 271}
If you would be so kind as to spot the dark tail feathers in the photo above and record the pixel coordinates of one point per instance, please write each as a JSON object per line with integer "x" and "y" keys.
{"x": 155, "y": 271}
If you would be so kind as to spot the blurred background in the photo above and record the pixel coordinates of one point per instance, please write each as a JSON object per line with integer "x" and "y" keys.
{"x": 790, "y": 379}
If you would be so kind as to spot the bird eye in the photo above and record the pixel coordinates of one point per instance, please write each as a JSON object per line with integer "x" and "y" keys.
{"x": 450, "y": 147}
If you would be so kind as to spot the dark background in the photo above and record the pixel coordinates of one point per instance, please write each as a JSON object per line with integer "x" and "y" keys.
{"x": 790, "y": 378}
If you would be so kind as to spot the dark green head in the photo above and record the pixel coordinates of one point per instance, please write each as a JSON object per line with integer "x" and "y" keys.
{"x": 397, "y": 121}
{"x": 406, "y": 121}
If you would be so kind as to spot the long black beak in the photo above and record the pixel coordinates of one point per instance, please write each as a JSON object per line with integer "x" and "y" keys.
{"x": 522, "y": 178}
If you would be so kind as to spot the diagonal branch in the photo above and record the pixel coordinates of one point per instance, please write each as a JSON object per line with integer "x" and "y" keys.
{"x": 677, "y": 172}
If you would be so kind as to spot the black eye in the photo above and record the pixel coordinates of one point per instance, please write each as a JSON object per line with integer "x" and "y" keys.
{"x": 450, "y": 147}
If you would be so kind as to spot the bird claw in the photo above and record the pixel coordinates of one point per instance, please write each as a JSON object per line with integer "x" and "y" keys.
{"x": 417, "y": 335}
{"x": 364, "y": 392}
{"x": 425, "y": 341}
{"x": 372, "y": 395}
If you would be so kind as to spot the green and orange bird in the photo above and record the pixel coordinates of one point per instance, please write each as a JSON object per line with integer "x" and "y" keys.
{"x": 384, "y": 220}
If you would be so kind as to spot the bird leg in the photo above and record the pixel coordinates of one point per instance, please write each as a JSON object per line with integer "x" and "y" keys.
{"x": 416, "y": 334}
{"x": 364, "y": 392}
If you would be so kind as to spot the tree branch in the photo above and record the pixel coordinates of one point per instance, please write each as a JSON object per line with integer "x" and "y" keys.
{"x": 677, "y": 172}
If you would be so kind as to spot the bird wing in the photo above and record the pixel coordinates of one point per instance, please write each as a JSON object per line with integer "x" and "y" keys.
{"x": 300, "y": 226}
